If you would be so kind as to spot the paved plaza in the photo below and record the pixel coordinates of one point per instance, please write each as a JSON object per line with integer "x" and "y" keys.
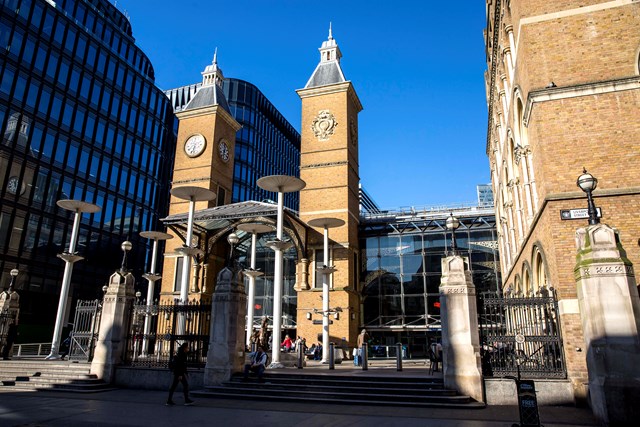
{"x": 146, "y": 408}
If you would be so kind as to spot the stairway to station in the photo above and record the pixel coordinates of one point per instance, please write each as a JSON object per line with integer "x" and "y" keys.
{"x": 40, "y": 374}
{"x": 357, "y": 389}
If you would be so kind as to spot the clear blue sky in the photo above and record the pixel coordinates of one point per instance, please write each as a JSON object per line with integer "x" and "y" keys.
{"x": 417, "y": 67}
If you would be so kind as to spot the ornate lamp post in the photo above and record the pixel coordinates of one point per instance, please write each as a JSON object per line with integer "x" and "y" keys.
{"x": 152, "y": 277}
{"x": 252, "y": 273}
{"x": 326, "y": 270}
{"x": 193, "y": 194}
{"x": 14, "y": 273}
{"x": 280, "y": 184}
{"x": 588, "y": 183}
{"x": 233, "y": 240}
{"x": 78, "y": 207}
{"x": 126, "y": 246}
{"x": 452, "y": 224}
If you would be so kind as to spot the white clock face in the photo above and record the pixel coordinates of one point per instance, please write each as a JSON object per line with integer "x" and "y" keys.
{"x": 223, "y": 150}
{"x": 195, "y": 145}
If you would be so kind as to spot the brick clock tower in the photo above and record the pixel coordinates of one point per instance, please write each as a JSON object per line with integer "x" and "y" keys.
{"x": 204, "y": 158}
{"x": 329, "y": 166}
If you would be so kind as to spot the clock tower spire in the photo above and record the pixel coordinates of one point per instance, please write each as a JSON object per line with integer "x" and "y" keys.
{"x": 329, "y": 166}
{"x": 204, "y": 158}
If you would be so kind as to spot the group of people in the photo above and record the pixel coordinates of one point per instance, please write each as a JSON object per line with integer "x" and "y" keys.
{"x": 258, "y": 360}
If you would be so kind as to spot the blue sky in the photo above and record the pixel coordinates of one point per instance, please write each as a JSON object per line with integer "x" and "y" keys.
{"x": 417, "y": 67}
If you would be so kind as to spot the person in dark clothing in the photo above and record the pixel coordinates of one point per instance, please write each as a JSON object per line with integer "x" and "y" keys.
{"x": 12, "y": 333}
{"x": 257, "y": 364}
{"x": 180, "y": 375}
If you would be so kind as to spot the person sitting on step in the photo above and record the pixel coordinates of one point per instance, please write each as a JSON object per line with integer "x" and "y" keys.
{"x": 257, "y": 365}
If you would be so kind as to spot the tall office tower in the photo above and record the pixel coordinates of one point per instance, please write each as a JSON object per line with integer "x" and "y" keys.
{"x": 80, "y": 118}
{"x": 563, "y": 93}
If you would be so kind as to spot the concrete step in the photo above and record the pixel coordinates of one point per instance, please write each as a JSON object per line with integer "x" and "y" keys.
{"x": 323, "y": 388}
{"x": 343, "y": 389}
{"x": 49, "y": 375}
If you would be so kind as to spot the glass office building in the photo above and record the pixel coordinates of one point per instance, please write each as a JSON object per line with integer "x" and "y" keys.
{"x": 267, "y": 144}
{"x": 80, "y": 118}
{"x": 401, "y": 269}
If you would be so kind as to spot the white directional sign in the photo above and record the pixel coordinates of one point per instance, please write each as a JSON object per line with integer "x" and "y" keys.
{"x": 578, "y": 213}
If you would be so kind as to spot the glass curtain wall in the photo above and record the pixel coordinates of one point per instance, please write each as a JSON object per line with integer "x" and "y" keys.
{"x": 80, "y": 118}
{"x": 402, "y": 271}
{"x": 265, "y": 262}
{"x": 266, "y": 145}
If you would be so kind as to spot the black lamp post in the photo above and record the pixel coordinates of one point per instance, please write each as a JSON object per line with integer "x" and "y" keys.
{"x": 233, "y": 240}
{"x": 14, "y": 273}
{"x": 452, "y": 224}
{"x": 588, "y": 183}
{"x": 126, "y": 247}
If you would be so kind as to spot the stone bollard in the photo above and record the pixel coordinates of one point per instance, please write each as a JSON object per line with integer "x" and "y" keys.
{"x": 399, "y": 357}
{"x": 114, "y": 325}
{"x": 365, "y": 357}
{"x": 610, "y": 313}
{"x": 226, "y": 339}
{"x": 332, "y": 355}
{"x": 300, "y": 350}
{"x": 460, "y": 340}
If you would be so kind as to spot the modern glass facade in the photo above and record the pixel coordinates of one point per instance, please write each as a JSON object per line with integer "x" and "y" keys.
{"x": 265, "y": 262}
{"x": 401, "y": 269}
{"x": 80, "y": 118}
{"x": 267, "y": 144}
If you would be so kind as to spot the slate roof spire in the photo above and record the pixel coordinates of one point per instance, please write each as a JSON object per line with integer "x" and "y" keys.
{"x": 328, "y": 70}
{"x": 210, "y": 93}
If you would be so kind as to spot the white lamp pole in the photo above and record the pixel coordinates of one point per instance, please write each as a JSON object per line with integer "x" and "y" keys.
{"x": 326, "y": 270}
{"x": 280, "y": 184}
{"x": 193, "y": 194}
{"x": 254, "y": 229}
{"x": 152, "y": 277}
{"x": 78, "y": 207}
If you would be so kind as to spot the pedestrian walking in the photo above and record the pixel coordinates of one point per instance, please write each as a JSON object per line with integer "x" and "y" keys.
{"x": 178, "y": 366}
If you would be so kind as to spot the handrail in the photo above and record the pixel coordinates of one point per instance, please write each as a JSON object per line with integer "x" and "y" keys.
{"x": 31, "y": 349}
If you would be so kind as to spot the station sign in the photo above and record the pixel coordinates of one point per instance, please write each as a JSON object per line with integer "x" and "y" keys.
{"x": 578, "y": 213}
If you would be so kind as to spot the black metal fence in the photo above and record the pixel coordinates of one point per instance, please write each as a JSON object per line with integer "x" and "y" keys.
{"x": 86, "y": 325}
{"x": 157, "y": 330}
{"x": 521, "y": 336}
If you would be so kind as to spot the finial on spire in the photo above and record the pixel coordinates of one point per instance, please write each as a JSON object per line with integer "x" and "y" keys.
{"x": 215, "y": 56}
{"x": 330, "y": 35}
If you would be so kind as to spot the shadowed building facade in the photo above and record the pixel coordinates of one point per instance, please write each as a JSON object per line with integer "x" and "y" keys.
{"x": 563, "y": 93}
{"x": 80, "y": 118}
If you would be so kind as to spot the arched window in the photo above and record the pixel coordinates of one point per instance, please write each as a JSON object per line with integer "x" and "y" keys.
{"x": 540, "y": 278}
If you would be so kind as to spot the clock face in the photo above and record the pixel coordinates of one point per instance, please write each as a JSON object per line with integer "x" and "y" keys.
{"x": 13, "y": 185}
{"x": 223, "y": 150}
{"x": 195, "y": 145}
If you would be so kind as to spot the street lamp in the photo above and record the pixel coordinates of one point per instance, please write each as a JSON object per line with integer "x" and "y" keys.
{"x": 233, "y": 240}
{"x": 14, "y": 273}
{"x": 452, "y": 223}
{"x": 126, "y": 246}
{"x": 254, "y": 229}
{"x": 588, "y": 183}
{"x": 326, "y": 270}
{"x": 280, "y": 184}
{"x": 193, "y": 194}
{"x": 152, "y": 277}
{"x": 78, "y": 207}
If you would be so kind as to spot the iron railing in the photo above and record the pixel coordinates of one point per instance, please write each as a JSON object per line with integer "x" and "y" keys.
{"x": 86, "y": 325}
{"x": 166, "y": 333}
{"x": 521, "y": 336}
